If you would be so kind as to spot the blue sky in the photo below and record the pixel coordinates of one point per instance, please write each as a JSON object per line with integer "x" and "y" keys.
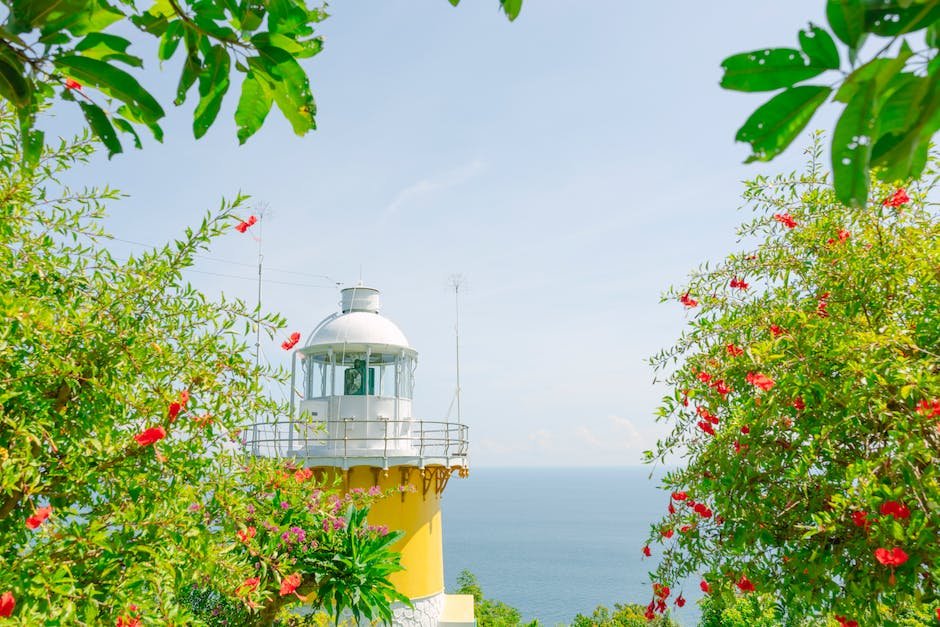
{"x": 571, "y": 165}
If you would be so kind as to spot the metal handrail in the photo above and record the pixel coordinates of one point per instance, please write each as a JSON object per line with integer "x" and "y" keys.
{"x": 351, "y": 438}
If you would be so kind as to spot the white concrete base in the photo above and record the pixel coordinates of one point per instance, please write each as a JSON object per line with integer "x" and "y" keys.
{"x": 458, "y": 611}
{"x": 425, "y": 613}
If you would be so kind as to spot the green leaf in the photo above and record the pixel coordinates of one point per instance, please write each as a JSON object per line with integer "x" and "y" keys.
{"x": 847, "y": 20}
{"x": 253, "y": 106}
{"x": 880, "y": 71}
{"x": 511, "y": 8}
{"x": 191, "y": 69}
{"x": 170, "y": 40}
{"x": 213, "y": 83}
{"x": 128, "y": 128}
{"x": 13, "y": 84}
{"x": 774, "y": 125}
{"x": 766, "y": 70}
{"x": 889, "y": 18}
{"x": 291, "y": 87}
{"x": 106, "y": 47}
{"x": 101, "y": 127}
{"x": 819, "y": 47}
{"x": 112, "y": 81}
{"x": 299, "y": 49}
{"x": 910, "y": 117}
{"x": 852, "y": 145}
{"x": 288, "y": 17}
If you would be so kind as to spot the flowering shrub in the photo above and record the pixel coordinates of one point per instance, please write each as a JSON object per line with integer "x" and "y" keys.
{"x": 123, "y": 487}
{"x": 815, "y": 478}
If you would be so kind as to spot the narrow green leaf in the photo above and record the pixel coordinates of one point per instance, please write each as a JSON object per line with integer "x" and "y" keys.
{"x": 101, "y": 127}
{"x": 847, "y": 20}
{"x": 112, "y": 81}
{"x": 105, "y": 47}
{"x": 766, "y": 70}
{"x": 511, "y": 8}
{"x": 170, "y": 40}
{"x": 213, "y": 83}
{"x": 852, "y": 145}
{"x": 299, "y": 49}
{"x": 128, "y": 128}
{"x": 774, "y": 125}
{"x": 889, "y": 18}
{"x": 191, "y": 69}
{"x": 819, "y": 47}
{"x": 253, "y": 106}
{"x": 13, "y": 84}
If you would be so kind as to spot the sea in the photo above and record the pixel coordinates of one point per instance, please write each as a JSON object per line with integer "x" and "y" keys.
{"x": 555, "y": 542}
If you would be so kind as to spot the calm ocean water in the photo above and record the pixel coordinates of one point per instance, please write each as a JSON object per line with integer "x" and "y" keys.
{"x": 554, "y": 542}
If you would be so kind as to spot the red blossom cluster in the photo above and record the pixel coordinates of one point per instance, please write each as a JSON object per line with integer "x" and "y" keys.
{"x": 734, "y": 351}
{"x": 739, "y": 284}
{"x": 667, "y": 533}
{"x": 707, "y": 589}
{"x": 930, "y": 409}
{"x": 7, "y": 603}
{"x": 707, "y": 415}
{"x": 38, "y": 517}
{"x": 289, "y": 584}
{"x": 129, "y": 620}
{"x": 150, "y": 436}
{"x": 897, "y": 199}
{"x": 891, "y": 557}
{"x": 860, "y": 519}
{"x": 842, "y": 235}
{"x": 658, "y": 604}
{"x": 244, "y": 225}
{"x": 244, "y": 535}
{"x": 798, "y": 403}
{"x": 822, "y": 304}
{"x": 291, "y": 342}
{"x": 845, "y": 622}
{"x": 704, "y": 377}
{"x": 759, "y": 380}
{"x": 706, "y": 427}
{"x": 702, "y": 510}
{"x": 721, "y": 387}
{"x": 688, "y": 301}
{"x": 900, "y": 511}
{"x": 248, "y": 586}
{"x": 679, "y": 496}
{"x": 646, "y": 551}
{"x": 744, "y": 584}
{"x": 776, "y": 331}
{"x": 785, "y": 219}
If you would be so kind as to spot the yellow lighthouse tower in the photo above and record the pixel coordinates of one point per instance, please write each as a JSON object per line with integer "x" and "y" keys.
{"x": 357, "y": 371}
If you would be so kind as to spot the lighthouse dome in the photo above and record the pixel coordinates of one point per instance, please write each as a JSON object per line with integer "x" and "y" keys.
{"x": 359, "y": 323}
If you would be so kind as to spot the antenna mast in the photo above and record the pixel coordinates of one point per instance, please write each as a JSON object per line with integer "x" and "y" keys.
{"x": 457, "y": 281}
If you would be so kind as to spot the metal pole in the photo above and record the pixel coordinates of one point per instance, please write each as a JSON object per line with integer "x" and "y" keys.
{"x": 254, "y": 428}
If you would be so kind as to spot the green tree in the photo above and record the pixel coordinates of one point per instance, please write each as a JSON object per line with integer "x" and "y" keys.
{"x": 630, "y": 615}
{"x": 488, "y": 612}
{"x": 68, "y": 49}
{"x": 806, "y": 403}
{"x": 892, "y": 101}
{"x": 123, "y": 485}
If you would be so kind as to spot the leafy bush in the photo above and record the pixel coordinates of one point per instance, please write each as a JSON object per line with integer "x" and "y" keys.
{"x": 488, "y": 612}
{"x": 629, "y": 615}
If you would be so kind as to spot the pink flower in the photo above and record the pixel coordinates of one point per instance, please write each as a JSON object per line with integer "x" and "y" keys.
{"x": 760, "y": 380}
{"x": 891, "y": 557}
{"x": 785, "y": 219}
{"x": 38, "y": 517}
{"x": 897, "y": 199}
{"x": 291, "y": 342}
{"x": 151, "y": 435}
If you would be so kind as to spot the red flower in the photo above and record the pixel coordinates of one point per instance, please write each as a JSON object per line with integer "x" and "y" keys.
{"x": 671, "y": 508}
{"x": 704, "y": 377}
{"x": 938, "y": 613}
{"x": 184, "y": 398}
{"x": 685, "y": 528}
{"x": 721, "y": 387}
{"x": 737, "y": 447}
{"x": 241, "y": 227}
{"x": 648, "y": 614}
{"x": 785, "y": 219}
{"x": 739, "y": 284}
{"x": 291, "y": 342}
{"x": 845, "y": 622}
{"x": 898, "y": 510}
{"x": 843, "y": 235}
{"x": 702, "y": 510}
{"x": 760, "y": 380}
{"x": 72, "y": 84}
{"x": 798, "y": 403}
{"x": 666, "y": 533}
{"x": 646, "y": 551}
{"x": 39, "y": 517}
{"x": 734, "y": 351}
{"x": 685, "y": 398}
{"x": 7, "y": 603}
{"x": 929, "y": 409}
{"x": 303, "y": 474}
{"x": 151, "y": 435}
{"x": 891, "y": 557}
{"x": 860, "y": 519}
{"x": 706, "y": 427}
{"x": 173, "y": 411}
{"x": 660, "y": 590}
{"x": 679, "y": 496}
{"x": 680, "y": 601}
{"x": 707, "y": 589}
{"x": 776, "y": 331}
{"x": 244, "y": 535}
{"x": 128, "y": 621}
{"x": 688, "y": 301}
{"x": 289, "y": 584}
{"x": 744, "y": 584}
{"x": 248, "y": 586}
{"x": 897, "y": 199}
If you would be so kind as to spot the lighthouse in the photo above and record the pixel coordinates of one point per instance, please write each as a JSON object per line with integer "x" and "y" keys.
{"x": 355, "y": 420}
